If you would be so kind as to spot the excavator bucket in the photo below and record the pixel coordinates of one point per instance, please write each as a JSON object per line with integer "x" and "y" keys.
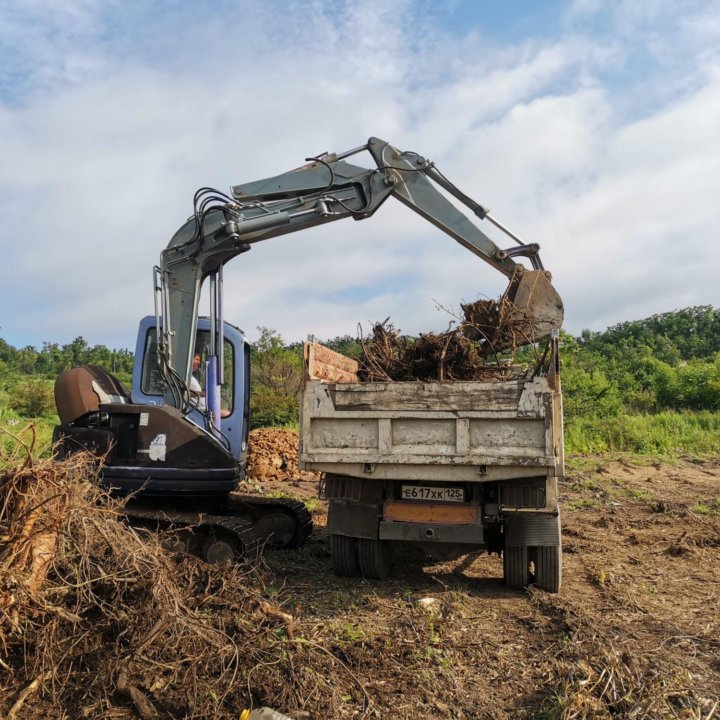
{"x": 529, "y": 311}
{"x": 533, "y": 294}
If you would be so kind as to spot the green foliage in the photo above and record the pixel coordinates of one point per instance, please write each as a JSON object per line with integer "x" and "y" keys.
{"x": 647, "y": 386}
{"x": 53, "y": 359}
{"x": 694, "y": 385}
{"x": 33, "y": 397}
{"x": 275, "y": 381}
{"x": 680, "y": 335}
{"x": 20, "y": 438}
{"x": 666, "y": 433}
{"x": 666, "y": 362}
{"x": 27, "y": 375}
{"x": 589, "y": 392}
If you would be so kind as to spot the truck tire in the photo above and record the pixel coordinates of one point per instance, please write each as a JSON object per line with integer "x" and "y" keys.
{"x": 548, "y": 568}
{"x": 375, "y": 557}
{"x": 343, "y": 555}
{"x": 516, "y": 567}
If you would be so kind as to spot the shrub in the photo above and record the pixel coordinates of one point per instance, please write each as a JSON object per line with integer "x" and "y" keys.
{"x": 33, "y": 398}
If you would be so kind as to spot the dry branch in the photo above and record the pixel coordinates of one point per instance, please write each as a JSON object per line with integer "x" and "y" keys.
{"x": 481, "y": 346}
{"x": 98, "y": 619}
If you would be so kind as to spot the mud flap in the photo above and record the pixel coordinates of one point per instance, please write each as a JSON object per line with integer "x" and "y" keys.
{"x": 358, "y": 520}
{"x": 532, "y": 530}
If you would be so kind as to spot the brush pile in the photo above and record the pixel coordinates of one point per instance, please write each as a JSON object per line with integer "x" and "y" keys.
{"x": 481, "y": 346}
{"x": 599, "y": 674}
{"x": 98, "y": 619}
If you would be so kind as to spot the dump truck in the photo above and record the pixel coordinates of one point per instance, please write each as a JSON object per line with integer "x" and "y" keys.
{"x": 451, "y": 467}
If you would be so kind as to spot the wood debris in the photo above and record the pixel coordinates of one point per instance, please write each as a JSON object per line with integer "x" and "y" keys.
{"x": 101, "y": 619}
{"x": 481, "y": 346}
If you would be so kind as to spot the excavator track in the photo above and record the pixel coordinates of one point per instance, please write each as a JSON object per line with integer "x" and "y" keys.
{"x": 281, "y": 522}
{"x": 235, "y": 530}
{"x": 215, "y": 538}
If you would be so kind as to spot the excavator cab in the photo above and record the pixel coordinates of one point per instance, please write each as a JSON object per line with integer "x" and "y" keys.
{"x": 146, "y": 444}
{"x": 148, "y": 387}
{"x": 180, "y": 469}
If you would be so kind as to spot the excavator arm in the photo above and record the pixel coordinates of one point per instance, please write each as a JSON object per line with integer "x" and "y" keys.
{"x": 326, "y": 189}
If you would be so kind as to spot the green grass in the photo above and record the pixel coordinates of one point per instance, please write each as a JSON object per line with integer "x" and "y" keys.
{"x": 312, "y": 504}
{"x": 665, "y": 434}
{"x": 579, "y": 504}
{"x": 706, "y": 508}
{"x": 590, "y": 485}
{"x": 19, "y": 436}
{"x": 634, "y": 494}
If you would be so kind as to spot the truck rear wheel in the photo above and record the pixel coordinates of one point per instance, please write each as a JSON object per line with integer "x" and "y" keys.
{"x": 548, "y": 568}
{"x": 375, "y": 557}
{"x": 516, "y": 567}
{"x": 344, "y": 556}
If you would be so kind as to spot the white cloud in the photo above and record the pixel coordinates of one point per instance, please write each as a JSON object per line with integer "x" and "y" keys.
{"x": 110, "y": 134}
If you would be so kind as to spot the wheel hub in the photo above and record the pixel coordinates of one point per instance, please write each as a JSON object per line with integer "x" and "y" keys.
{"x": 219, "y": 551}
{"x": 277, "y": 529}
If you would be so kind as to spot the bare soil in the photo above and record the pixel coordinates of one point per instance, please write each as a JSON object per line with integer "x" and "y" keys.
{"x": 273, "y": 456}
{"x": 632, "y": 634}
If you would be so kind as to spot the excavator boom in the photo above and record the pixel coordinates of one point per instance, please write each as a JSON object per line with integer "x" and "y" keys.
{"x": 326, "y": 189}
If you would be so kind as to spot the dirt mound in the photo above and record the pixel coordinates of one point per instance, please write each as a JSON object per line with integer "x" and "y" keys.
{"x": 273, "y": 455}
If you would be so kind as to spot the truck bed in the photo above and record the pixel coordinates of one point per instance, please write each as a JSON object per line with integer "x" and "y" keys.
{"x": 461, "y": 431}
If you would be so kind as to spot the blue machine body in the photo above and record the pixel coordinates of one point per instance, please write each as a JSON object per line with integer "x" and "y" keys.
{"x": 149, "y": 389}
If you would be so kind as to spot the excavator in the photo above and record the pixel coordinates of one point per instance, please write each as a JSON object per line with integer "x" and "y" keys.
{"x": 181, "y": 461}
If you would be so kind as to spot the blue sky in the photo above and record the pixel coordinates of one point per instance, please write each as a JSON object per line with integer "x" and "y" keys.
{"x": 592, "y": 128}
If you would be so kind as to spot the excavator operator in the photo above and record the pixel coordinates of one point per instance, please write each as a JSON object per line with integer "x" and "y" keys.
{"x": 195, "y": 388}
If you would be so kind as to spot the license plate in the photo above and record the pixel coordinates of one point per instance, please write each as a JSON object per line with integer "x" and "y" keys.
{"x": 434, "y": 494}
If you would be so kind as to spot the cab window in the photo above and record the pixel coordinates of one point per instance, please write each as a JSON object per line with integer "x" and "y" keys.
{"x": 151, "y": 381}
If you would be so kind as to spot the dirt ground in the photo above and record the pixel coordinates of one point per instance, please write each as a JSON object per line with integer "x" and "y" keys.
{"x": 102, "y": 620}
{"x": 634, "y": 633}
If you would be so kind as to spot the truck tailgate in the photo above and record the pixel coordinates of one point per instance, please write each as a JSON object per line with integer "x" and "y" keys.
{"x": 421, "y": 430}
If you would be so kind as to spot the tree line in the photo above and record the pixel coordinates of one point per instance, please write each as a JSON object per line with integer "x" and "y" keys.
{"x": 27, "y": 374}
{"x": 52, "y": 358}
{"x": 666, "y": 362}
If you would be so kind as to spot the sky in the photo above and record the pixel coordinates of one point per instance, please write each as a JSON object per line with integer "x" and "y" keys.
{"x": 590, "y": 127}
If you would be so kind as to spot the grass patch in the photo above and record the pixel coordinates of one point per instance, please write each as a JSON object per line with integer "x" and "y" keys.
{"x": 20, "y": 437}
{"x": 351, "y": 632}
{"x": 665, "y": 434}
{"x": 278, "y": 494}
{"x": 590, "y": 485}
{"x": 585, "y": 503}
{"x": 634, "y": 494}
{"x": 312, "y": 504}
{"x": 707, "y": 508}
{"x": 579, "y": 464}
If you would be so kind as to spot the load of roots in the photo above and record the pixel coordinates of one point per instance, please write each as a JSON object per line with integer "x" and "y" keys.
{"x": 480, "y": 346}
{"x": 99, "y": 619}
